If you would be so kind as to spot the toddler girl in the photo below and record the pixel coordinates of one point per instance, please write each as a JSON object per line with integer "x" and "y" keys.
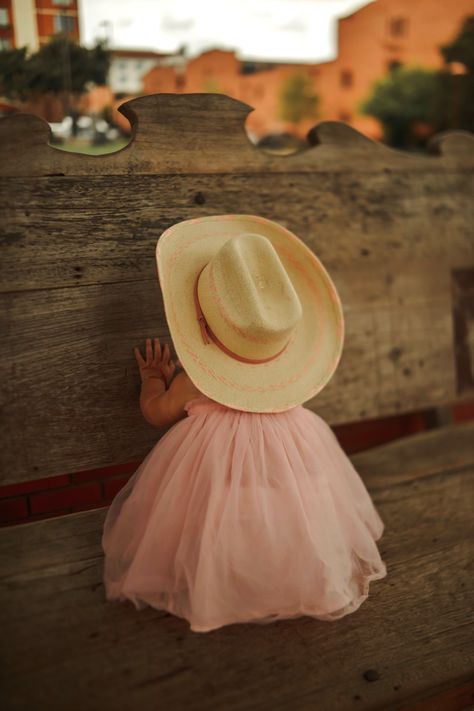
{"x": 247, "y": 511}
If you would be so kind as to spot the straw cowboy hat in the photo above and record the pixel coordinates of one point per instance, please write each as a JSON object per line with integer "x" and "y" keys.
{"x": 254, "y": 316}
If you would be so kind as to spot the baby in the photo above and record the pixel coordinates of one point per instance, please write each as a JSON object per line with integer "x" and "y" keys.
{"x": 239, "y": 515}
{"x": 162, "y": 396}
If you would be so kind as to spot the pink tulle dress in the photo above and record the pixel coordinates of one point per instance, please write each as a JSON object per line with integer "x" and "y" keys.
{"x": 243, "y": 517}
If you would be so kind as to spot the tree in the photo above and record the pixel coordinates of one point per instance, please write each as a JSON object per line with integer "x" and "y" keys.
{"x": 211, "y": 86}
{"x": 297, "y": 99}
{"x": 403, "y": 98}
{"x": 455, "y": 106}
{"x": 61, "y": 67}
{"x": 409, "y": 96}
{"x": 462, "y": 48}
{"x": 12, "y": 73}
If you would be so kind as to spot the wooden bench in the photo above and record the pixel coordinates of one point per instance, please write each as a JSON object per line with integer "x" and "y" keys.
{"x": 79, "y": 289}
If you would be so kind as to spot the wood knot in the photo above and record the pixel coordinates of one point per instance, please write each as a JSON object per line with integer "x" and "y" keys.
{"x": 371, "y": 675}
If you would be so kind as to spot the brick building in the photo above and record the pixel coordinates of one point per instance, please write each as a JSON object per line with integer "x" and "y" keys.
{"x": 372, "y": 40}
{"x": 129, "y": 66}
{"x": 251, "y": 81}
{"x": 31, "y": 23}
{"x": 369, "y": 42}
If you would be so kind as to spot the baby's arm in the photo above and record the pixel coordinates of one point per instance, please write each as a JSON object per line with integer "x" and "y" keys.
{"x": 164, "y": 407}
{"x": 162, "y": 398}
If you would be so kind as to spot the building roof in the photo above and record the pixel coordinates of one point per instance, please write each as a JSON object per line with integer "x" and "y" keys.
{"x": 143, "y": 53}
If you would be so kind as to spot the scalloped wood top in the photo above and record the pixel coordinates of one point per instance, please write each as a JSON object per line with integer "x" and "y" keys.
{"x": 205, "y": 133}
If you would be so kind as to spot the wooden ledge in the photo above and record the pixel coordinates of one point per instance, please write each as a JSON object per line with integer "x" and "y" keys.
{"x": 205, "y": 133}
{"x": 66, "y": 642}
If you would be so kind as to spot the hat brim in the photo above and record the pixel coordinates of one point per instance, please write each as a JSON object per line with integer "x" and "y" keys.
{"x": 315, "y": 348}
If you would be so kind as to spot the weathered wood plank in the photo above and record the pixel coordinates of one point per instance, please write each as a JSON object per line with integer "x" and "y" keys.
{"x": 70, "y": 231}
{"x": 70, "y": 385}
{"x": 79, "y": 281}
{"x": 448, "y": 448}
{"x": 63, "y": 641}
{"x": 350, "y": 221}
{"x": 424, "y": 454}
{"x": 174, "y": 133}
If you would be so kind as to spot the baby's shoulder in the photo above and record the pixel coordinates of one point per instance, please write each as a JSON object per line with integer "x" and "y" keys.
{"x": 183, "y": 387}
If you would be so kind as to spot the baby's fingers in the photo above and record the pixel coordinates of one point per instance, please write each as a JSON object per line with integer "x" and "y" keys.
{"x": 139, "y": 357}
{"x": 149, "y": 352}
{"x": 166, "y": 354}
{"x": 157, "y": 349}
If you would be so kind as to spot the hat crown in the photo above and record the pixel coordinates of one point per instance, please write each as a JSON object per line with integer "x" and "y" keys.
{"x": 248, "y": 298}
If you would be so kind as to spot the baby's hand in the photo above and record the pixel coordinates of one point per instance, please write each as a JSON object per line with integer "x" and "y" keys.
{"x": 159, "y": 364}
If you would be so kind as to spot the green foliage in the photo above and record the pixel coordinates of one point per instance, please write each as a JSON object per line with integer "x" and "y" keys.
{"x": 462, "y": 48}
{"x": 441, "y": 100}
{"x": 455, "y": 102}
{"x": 297, "y": 99}
{"x": 404, "y": 96}
{"x": 12, "y": 72}
{"x": 59, "y": 66}
{"x": 211, "y": 86}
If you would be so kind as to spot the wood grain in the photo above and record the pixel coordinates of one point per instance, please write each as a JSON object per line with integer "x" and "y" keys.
{"x": 70, "y": 385}
{"x": 72, "y": 232}
{"x": 205, "y": 133}
{"x": 64, "y": 644}
{"x": 79, "y": 288}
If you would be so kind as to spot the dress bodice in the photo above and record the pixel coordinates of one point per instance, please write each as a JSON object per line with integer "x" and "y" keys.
{"x": 202, "y": 403}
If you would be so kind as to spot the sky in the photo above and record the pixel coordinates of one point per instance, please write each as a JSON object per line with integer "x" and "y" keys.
{"x": 284, "y": 30}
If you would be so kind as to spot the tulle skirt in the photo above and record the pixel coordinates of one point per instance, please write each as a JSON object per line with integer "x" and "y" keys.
{"x": 243, "y": 517}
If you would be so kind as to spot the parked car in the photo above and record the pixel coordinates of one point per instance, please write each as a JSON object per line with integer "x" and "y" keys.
{"x": 63, "y": 130}
{"x": 88, "y": 128}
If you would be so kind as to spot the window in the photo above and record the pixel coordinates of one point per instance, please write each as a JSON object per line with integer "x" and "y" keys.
{"x": 139, "y": 65}
{"x": 5, "y": 43}
{"x": 248, "y": 68}
{"x": 398, "y": 26}
{"x": 64, "y": 3}
{"x": 346, "y": 78}
{"x": 4, "y": 19}
{"x": 393, "y": 64}
{"x": 63, "y": 23}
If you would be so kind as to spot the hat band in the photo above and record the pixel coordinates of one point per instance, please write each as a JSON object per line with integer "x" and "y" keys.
{"x": 206, "y": 331}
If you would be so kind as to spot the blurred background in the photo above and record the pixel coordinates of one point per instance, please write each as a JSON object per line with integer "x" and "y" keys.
{"x": 396, "y": 70}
